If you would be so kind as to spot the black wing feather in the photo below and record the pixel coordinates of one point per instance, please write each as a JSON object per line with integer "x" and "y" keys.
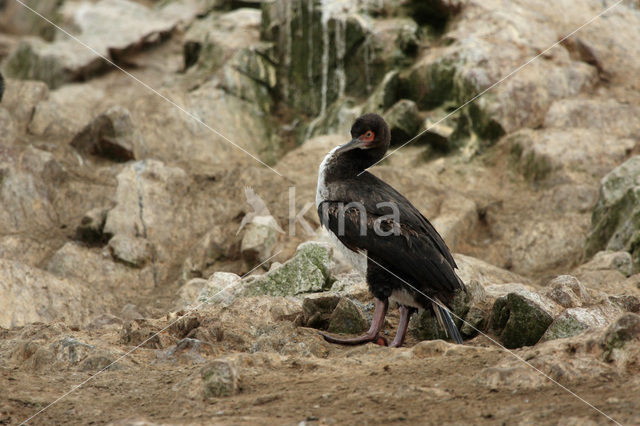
{"x": 417, "y": 253}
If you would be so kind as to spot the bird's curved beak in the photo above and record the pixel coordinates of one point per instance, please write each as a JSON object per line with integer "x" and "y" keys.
{"x": 355, "y": 143}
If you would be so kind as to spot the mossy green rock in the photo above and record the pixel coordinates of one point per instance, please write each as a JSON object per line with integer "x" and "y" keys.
{"x": 424, "y": 326}
{"x": 307, "y": 271}
{"x": 575, "y": 320}
{"x": 219, "y": 379}
{"x": 347, "y": 318}
{"x": 316, "y": 311}
{"x": 624, "y": 330}
{"x": 404, "y": 121}
{"x": 615, "y": 221}
{"x": 521, "y": 318}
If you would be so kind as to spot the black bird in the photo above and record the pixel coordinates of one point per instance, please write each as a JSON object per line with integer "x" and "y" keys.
{"x": 396, "y": 249}
{"x": 1, "y": 86}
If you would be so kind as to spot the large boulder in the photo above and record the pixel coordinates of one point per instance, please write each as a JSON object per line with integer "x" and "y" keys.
{"x": 28, "y": 294}
{"x": 307, "y": 271}
{"x": 520, "y": 318}
{"x": 614, "y": 221}
{"x": 113, "y": 28}
{"x": 328, "y": 49}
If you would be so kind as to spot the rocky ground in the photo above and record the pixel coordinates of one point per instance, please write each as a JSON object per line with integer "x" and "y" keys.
{"x": 146, "y": 193}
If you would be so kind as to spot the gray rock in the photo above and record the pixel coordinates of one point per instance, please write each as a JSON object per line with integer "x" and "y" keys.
{"x": 351, "y": 285}
{"x": 566, "y": 153}
{"x": 521, "y": 318}
{"x": 17, "y": 19}
{"x": 259, "y": 239}
{"x": 385, "y": 94}
{"x": 403, "y": 120}
{"x": 424, "y": 326}
{"x": 98, "y": 271}
{"x": 111, "y": 135}
{"x": 66, "y": 60}
{"x": 344, "y": 53}
{"x": 307, "y": 271}
{"x": 347, "y": 318}
{"x": 212, "y": 40}
{"x": 620, "y": 261}
{"x": 219, "y": 379}
{"x": 221, "y": 288}
{"x": 90, "y": 229}
{"x": 618, "y": 335}
{"x": 31, "y": 295}
{"x": 204, "y": 254}
{"x": 66, "y": 111}
{"x": 567, "y": 291}
{"x": 317, "y": 310}
{"x": 613, "y": 222}
{"x": 132, "y": 251}
{"x": 20, "y": 99}
{"x": 574, "y": 321}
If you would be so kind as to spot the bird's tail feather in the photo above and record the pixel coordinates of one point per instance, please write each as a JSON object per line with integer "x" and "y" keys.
{"x": 446, "y": 322}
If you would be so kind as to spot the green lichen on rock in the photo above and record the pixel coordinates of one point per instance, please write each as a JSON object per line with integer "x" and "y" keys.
{"x": 347, "y": 318}
{"x": 27, "y": 62}
{"x": 307, "y": 271}
{"x": 618, "y": 334}
{"x": 521, "y": 318}
{"x": 424, "y": 326}
{"x": 219, "y": 379}
{"x": 615, "y": 221}
{"x": 564, "y": 326}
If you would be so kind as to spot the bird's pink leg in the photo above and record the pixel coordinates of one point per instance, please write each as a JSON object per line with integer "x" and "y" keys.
{"x": 405, "y": 315}
{"x": 372, "y": 335}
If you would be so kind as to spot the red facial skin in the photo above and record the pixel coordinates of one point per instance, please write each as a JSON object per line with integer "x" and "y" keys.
{"x": 367, "y": 137}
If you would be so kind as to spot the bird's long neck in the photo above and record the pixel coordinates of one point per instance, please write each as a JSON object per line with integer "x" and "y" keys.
{"x": 351, "y": 163}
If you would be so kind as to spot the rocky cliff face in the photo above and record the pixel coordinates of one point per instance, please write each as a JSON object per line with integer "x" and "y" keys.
{"x": 156, "y": 190}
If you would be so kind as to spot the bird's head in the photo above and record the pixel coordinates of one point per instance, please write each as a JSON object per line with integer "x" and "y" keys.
{"x": 369, "y": 133}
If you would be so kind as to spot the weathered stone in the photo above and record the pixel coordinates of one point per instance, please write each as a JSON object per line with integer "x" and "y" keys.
{"x": 567, "y": 291}
{"x": 351, "y": 285}
{"x": 221, "y": 288}
{"x": 611, "y": 118}
{"x": 204, "y": 254}
{"x": 307, "y": 271}
{"x": 66, "y": 111}
{"x": 564, "y": 153}
{"x": 211, "y": 41}
{"x": 250, "y": 76}
{"x": 326, "y": 50}
{"x": 385, "y": 94}
{"x": 347, "y": 318}
{"x": 17, "y": 19}
{"x": 574, "y": 321}
{"x": 21, "y": 98}
{"x": 220, "y": 378}
{"x": 132, "y": 251}
{"x": 403, "y": 120}
{"x": 484, "y": 273}
{"x": 317, "y": 310}
{"x": 259, "y": 238}
{"x": 98, "y": 271}
{"x": 520, "y": 319}
{"x": 620, "y": 261}
{"x": 458, "y": 217}
{"x": 90, "y": 229}
{"x": 425, "y": 326}
{"x": 614, "y": 218}
{"x": 618, "y": 335}
{"x": 66, "y": 60}
{"x": 28, "y": 294}
{"x": 111, "y": 135}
